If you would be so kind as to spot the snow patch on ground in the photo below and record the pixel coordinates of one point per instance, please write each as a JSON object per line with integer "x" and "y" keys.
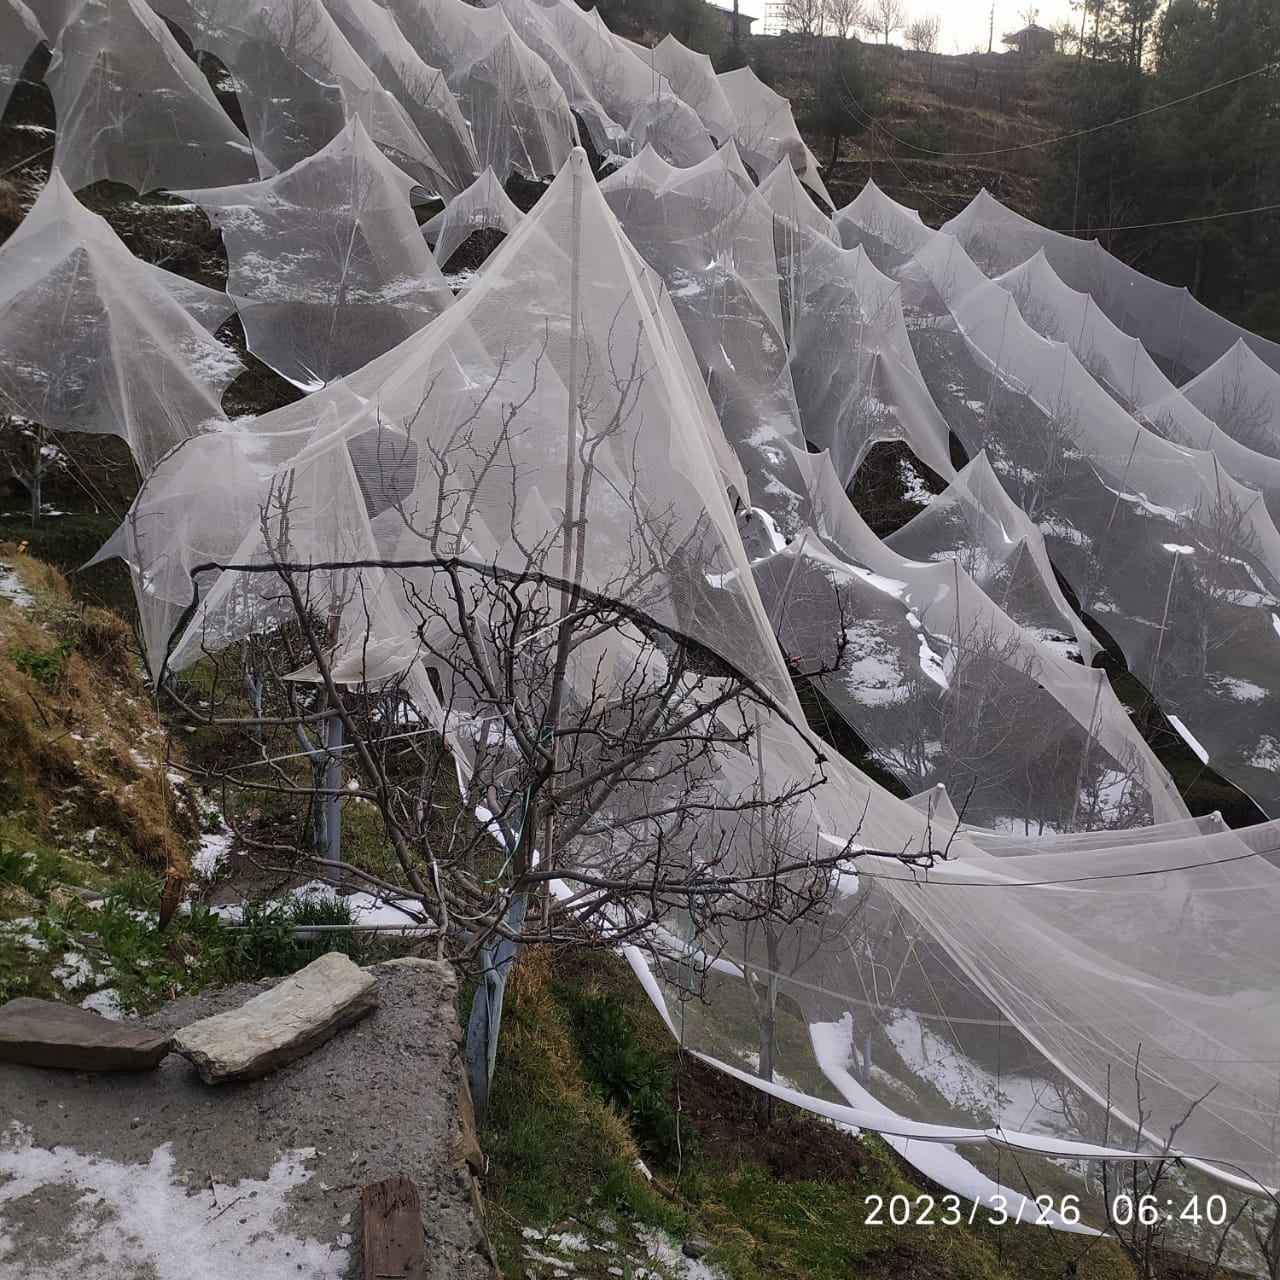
{"x": 133, "y": 1218}
{"x": 653, "y": 1255}
{"x": 214, "y": 847}
{"x": 11, "y": 588}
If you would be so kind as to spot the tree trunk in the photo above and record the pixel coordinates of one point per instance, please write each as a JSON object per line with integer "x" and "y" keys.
{"x": 835, "y": 153}
{"x": 764, "y": 1101}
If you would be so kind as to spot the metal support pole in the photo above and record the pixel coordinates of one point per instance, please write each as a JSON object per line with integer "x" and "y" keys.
{"x": 332, "y": 801}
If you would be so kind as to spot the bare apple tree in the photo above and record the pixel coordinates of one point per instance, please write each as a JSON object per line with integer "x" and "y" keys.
{"x": 531, "y": 672}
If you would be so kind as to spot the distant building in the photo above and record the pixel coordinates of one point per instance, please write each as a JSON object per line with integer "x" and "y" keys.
{"x": 774, "y": 22}
{"x": 1031, "y": 41}
{"x": 723, "y": 18}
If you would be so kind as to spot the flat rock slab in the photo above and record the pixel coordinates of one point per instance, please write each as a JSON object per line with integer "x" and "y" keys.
{"x": 43, "y": 1033}
{"x": 156, "y": 1176}
{"x": 281, "y": 1025}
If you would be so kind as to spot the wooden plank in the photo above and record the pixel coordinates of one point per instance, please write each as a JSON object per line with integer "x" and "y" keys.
{"x": 393, "y": 1243}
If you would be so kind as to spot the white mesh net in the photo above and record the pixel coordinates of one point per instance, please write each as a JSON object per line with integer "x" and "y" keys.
{"x": 93, "y": 340}
{"x": 483, "y": 206}
{"x": 327, "y": 265}
{"x": 1175, "y": 558}
{"x": 518, "y": 115}
{"x": 1182, "y": 333}
{"x": 173, "y": 135}
{"x": 20, "y": 33}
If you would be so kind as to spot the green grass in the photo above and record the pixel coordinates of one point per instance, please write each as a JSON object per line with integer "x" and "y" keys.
{"x": 587, "y": 1079}
{"x": 123, "y": 948}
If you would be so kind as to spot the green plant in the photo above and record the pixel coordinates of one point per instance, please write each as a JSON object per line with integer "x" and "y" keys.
{"x": 626, "y": 1074}
{"x": 45, "y": 666}
{"x": 32, "y": 870}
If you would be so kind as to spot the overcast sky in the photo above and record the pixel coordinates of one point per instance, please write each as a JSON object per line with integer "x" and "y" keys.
{"x": 965, "y": 22}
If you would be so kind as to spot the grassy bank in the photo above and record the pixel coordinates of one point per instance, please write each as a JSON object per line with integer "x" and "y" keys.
{"x": 589, "y": 1081}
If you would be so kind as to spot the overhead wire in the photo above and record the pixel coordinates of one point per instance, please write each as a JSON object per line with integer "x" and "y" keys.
{"x": 1065, "y": 137}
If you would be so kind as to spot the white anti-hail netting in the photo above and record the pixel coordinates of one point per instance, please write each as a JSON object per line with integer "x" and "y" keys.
{"x": 797, "y": 338}
{"x": 1184, "y": 335}
{"x": 451, "y": 448}
{"x": 519, "y": 118}
{"x": 976, "y": 522}
{"x": 483, "y": 206}
{"x": 946, "y": 687}
{"x": 1241, "y": 395}
{"x": 765, "y": 130}
{"x": 420, "y": 88}
{"x": 1129, "y": 375}
{"x": 299, "y": 81}
{"x": 92, "y": 339}
{"x": 693, "y": 78}
{"x": 624, "y": 102}
{"x": 326, "y": 262}
{"x": 709, "y": 237}
{"x": 997, "y": 1001}
{"x": 174, "y": 134}
{"x": 1176, "y": 559}
{"x": 855, "y": 373}
{"x": 20, "y": 34}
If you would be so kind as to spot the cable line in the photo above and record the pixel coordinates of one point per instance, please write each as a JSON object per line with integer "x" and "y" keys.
{"x": 1066, "y": 137}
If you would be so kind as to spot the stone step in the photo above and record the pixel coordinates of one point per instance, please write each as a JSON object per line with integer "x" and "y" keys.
{"x": 44, "y": 1033}
{"x": 282, "y": 1024}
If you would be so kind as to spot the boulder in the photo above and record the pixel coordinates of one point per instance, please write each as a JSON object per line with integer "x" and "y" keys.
{"x": 282, "y": 1024}
{"x": 43, "y": 1033}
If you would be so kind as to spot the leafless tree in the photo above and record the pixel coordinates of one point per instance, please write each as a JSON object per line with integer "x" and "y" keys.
{"x": 604, "y": 774}
{"x": 840, "y": 17}
{"x": 804, "y": 17}
{"x": 884, "y": 17}
{"x": 922, "y": 33}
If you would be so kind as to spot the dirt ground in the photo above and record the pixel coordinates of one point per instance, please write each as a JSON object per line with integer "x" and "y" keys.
{"x": 155, "y": 1176}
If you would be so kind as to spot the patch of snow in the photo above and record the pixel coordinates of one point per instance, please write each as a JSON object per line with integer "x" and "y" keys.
{"x": 11, "y": 588}
{"x": 666, "y": 1253}
{"x": 134, "y": 1218}
{"x": 74, "y": 971}
{"x": 214, "y": 846}
{"x": 913, "y": 486}
{"x": 105, "y": 1002}
{"x": 1242, "y": 690}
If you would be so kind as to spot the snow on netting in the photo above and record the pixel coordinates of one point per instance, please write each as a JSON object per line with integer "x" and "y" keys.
{"x": 1180, "y": 332}
{"x": 518, "y": 115}
{"x": 975, "y": 522}
{"x": 175, "y": 134}
{"x": 91, "y": 339}
{"x": 483, "y": 206}
{"x": 298, "y": 81}
{"x": 20, "y": 33}
{"x": 1178, "y": 561}
{"x": 327, "y": 265}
